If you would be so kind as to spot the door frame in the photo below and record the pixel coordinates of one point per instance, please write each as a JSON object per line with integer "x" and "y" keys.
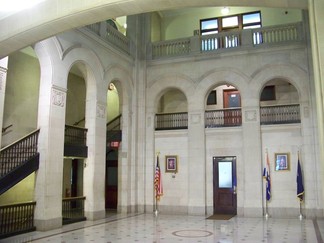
{"x": 224, "y": 199}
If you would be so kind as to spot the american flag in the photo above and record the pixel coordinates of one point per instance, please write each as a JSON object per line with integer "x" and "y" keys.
{"x": 158, "y": 180}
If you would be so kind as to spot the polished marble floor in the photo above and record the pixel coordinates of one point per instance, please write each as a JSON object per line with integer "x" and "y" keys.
{"x": 178, "y": 228}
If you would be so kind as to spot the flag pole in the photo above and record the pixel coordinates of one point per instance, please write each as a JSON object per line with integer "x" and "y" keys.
{"x": 300, "y": 202}
{"x": 266, "y": 212}
{"x": 156, "y": 211}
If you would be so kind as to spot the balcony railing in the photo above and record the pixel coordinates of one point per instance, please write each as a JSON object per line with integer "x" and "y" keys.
{"x": 231, "y": 117}
{"x": 223, "y": 118}
{"x": 75, "y": 135}
{"x": 280, "y": 114}
{"x": 171, "y": 48}
{"x": 231, "y": 40}
{"x": 277, "y": 34}
{"x": 73, "y": 209}
{"x": 220, "y": 40}
{"x": 111, "y": 35}
{"x": 16, "y": 218}
{"x": 170, "y": 121}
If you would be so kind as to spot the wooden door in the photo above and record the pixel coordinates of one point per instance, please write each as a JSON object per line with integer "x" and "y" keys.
{"x": 232, "y": 99}
{"x": 225, "y": 201}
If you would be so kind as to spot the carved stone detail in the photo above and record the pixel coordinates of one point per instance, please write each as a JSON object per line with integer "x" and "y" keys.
{"x": 58, "y": 97}
{"x": 250, "y": 115}
{"x": 101, "y": 110}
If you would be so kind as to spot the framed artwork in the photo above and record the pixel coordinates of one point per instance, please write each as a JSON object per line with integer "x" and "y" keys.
{"x": 281, "y": 161}
{"x": 171, "y": 163}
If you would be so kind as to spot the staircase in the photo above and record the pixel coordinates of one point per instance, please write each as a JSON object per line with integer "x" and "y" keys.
{"x": 18, "y": 160}
{"x": 114, "y": 133}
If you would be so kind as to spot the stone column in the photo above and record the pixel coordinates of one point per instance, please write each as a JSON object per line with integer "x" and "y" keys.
{"x": 138, "y": 30}
{"x": 252, "y": 159}
{"x": 49, "y": 177}
{"x": 95, "y": 164}
{"x": 196, "y": 160}
{"x": 3, "y": 79}
{"x": 51, "y": 121}
{"x": 316, "y": 22}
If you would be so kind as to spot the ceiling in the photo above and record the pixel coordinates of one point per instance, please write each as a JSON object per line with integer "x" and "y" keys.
{"x": 48, "y": 18}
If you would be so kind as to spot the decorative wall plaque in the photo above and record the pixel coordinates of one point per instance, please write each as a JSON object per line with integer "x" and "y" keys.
{"x": 2, "y": 79}
{"x": 250, "y": 115}
{"x": 58, "y": 97}
{"x": 195, "y": 118}
{"x": 101, "y": 110}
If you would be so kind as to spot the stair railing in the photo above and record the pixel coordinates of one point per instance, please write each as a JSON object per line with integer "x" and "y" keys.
{"x": 18, "y": 152}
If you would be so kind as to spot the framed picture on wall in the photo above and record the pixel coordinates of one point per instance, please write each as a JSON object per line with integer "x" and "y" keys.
{"x": 171, "y": 163}
{"x": 281, "y": 161}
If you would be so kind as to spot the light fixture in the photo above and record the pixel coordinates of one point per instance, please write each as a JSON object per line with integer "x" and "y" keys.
{"x": 225, "y": 10}
{"x": 111, "y": 87}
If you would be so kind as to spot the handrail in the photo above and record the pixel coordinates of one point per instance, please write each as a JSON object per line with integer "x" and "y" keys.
{"x": 170, "y": 121}
{"x": 78, "y": 122}
{"x": 73, "y": 198}
{"x": 18, "y": 152}
{"x": 6, "y": 147}
{"x": 110, "y": 123}
{"x": 17, "y": 204}
{"x": 116, "y": 118}
{"x": 73, "y": 209}
{"x": 75, "y": 135}
{"x": 4, "y": 129}
{"x": 111, "y": 35}
{"x": 17, "y": 218}
{"x": 227, "y": 117}
{"x": 280, "y": 114}
{"x": 236, "y": 39}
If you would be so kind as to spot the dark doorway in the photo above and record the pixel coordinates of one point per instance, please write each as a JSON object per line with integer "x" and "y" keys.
{"x": 74, "y": 178}
{"x": 112, "y": 179}
{"x": 224, "y": 170}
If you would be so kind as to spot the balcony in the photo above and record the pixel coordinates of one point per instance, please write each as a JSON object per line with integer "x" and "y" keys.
{"x": 201, "y": 45}
{"x": 229, "y": 41}
{"x": 171, "y": 121}
{"x": 280, "y": 114}
{"x": 231, "y": 117}
{"x": 75, "y": 142}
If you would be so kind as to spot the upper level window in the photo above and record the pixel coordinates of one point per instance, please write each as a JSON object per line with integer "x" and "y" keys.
{"x": 209, "y": 26}
{"x": 251, "y": 20}
{"x": 239, "y": 21}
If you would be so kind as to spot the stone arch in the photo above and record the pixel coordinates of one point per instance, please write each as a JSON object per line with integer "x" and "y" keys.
{"x": 90, "y": 67}
{"x": 162, "y": 85}
{"x": 289, "y": 72}
{"x": 121, "y": 78}
{"x": 215, "y": 78}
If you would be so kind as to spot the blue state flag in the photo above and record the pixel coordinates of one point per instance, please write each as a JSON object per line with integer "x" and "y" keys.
{"x": 266, "y": 176}
{"x": 300, "y": 186}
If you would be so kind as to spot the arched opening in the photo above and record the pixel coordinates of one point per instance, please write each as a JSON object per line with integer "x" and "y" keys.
{"x": 75, "y": 149}
{"x": 279, "y": 103}
{"x": 113, "y": 142}
{"x": 223, "y": 107}
{"x": 172, "y": 111}
{"x": 19, "y": 119}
